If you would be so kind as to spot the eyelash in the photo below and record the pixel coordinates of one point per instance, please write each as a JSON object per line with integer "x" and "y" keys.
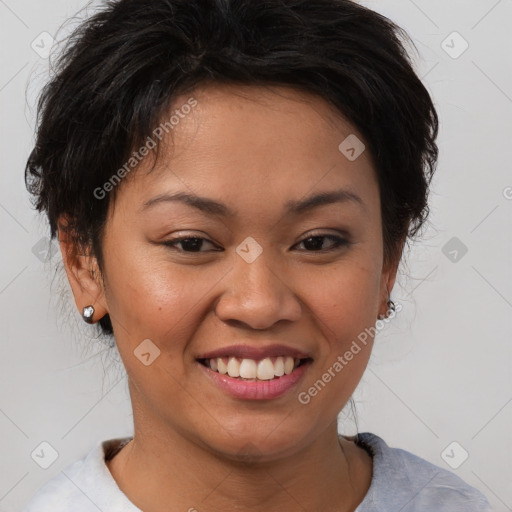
{"x": 338, "y": 242}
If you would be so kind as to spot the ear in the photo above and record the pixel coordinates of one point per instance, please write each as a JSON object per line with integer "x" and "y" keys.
{"x": 83, "y": 273}
{"x": 388, "y": 281}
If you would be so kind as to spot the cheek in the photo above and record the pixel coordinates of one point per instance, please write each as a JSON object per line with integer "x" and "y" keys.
{"x": 153, "y": 298}
{"x": 344, "y": 304}
{"x": 345, "y": 300}
{"x": 345, "y": 308}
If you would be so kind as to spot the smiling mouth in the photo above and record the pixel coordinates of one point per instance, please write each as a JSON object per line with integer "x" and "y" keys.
{"x": 269, "y": 368}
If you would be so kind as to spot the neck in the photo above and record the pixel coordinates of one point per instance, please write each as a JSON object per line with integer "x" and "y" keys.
{"x": 157, "y": 469}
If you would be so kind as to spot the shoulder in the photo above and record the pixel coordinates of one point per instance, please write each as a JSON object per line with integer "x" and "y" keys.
{"x": 83, "y": 486}
{"x": 403, "y": 481}
{"x": 60, "y": 492}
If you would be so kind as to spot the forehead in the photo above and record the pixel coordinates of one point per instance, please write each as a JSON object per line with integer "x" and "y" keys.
{"x": 252, "y": 145}
{"x": 275, "y": 115}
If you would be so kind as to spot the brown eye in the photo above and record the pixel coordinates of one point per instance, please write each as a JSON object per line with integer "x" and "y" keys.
{"x": 315, "y": 243}
{"x": 189, "y": 244}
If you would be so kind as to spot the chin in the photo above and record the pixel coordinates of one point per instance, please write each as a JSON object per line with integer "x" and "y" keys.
{"x": 251, "y": 445}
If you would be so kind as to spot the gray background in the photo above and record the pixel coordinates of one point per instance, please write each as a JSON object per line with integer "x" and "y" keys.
{"x": 440, "y": 372}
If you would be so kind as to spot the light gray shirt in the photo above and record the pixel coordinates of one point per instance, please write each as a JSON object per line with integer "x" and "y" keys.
{"x": 401, "y": 482}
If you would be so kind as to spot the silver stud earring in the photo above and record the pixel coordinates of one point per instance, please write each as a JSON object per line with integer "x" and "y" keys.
{"x": 391, "y": 307}
{"x": 87, "y": 314}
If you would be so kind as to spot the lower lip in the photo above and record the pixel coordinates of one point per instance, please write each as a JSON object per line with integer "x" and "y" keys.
{"x": 259, "y": 389}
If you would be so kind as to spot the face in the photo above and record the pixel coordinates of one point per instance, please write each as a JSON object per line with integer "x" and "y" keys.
{"x": 264, "y": 272}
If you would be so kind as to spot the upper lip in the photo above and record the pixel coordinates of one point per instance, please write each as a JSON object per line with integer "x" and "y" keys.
{"x": 256, "y": 353}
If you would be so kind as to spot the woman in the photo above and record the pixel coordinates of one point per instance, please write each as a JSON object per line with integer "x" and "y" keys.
{"x": 232, "y": 184}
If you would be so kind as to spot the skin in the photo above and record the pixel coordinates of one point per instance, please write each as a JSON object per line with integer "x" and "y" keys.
{"x": 253, "y": 149}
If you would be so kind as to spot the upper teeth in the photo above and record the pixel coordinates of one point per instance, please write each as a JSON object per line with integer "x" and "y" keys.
{"x": 266, "y": 369}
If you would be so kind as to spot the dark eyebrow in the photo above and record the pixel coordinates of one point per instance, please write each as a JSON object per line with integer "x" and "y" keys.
{"x": 292, "y": 207}
{"x": 201, "y": 203}
{"x": 323, "y": 198}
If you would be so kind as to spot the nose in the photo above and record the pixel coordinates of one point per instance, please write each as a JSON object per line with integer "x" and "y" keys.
{"x": 257, "y": 295}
